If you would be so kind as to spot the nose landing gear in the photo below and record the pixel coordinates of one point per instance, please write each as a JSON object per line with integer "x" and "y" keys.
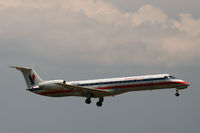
{"x": 177, "y": 94}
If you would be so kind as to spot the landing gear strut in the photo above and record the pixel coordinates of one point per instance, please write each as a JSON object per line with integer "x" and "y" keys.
{"x": 99, "y": 103}
{"x": 177, "y": 94}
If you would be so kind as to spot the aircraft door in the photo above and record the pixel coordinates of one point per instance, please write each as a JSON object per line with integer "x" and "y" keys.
{"x": 100, "y": 84}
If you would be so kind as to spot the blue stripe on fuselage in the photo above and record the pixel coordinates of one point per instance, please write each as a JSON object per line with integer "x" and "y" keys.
{"x": 107, "y": 83}
{"x": 118, "y": 82}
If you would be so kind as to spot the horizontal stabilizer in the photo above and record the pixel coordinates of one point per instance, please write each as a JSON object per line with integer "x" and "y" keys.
{"x": 20, "y": 68}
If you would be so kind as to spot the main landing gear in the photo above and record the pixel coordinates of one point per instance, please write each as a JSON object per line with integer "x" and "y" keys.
{"x": 177, "y": 94}
{"x": 99, "y": 103}
{"x": 88, "y": 100}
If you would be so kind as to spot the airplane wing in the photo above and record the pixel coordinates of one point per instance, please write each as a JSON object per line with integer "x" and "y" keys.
{"x": 85, "y": 91}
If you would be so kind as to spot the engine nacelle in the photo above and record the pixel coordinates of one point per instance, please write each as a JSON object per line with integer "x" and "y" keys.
{"x": 51, "y": 85}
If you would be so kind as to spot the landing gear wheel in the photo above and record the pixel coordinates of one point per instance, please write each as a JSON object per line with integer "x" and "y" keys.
{"x": 177, "y": 94}
{"x": 99, "y": 104}
{"x": 88, "y": 101}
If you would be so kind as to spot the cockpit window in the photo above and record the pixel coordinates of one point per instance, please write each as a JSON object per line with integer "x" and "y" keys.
{"x": 166, "y": 77}
{"x": 172, "y": 77}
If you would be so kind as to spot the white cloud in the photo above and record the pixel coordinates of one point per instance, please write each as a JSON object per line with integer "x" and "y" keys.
{"x": 97, "y": 32}
{"x": 96, "y": 9}
{"x": 188, "y": 24}
{"x": 149, "y": 14}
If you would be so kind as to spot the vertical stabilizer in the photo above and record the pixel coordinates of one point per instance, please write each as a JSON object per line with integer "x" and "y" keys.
{"x": 31, "y": 77}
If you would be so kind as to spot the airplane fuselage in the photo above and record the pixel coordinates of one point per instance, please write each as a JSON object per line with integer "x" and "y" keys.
{"x": 114, "y": 85}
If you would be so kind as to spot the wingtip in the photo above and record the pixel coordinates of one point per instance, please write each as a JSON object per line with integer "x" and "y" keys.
{"x": 12, "y": 66}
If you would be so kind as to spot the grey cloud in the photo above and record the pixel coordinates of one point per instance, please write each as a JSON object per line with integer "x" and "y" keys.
{"x": 77, "y": 42}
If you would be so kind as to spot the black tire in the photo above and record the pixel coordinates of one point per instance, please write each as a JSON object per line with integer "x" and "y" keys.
{"x": 99, "y": 104}
{"x": 88, "y": 101}
{"x": 177, "y": 94}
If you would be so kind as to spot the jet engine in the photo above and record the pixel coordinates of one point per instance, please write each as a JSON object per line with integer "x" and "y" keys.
{"x": 51, "y": 85}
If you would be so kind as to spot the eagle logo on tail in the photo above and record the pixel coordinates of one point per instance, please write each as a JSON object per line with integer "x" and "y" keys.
{"x": 32, "y": 78}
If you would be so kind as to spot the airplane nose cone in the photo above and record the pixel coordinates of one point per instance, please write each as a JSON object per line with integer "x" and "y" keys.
{"x": 185, "y": 83}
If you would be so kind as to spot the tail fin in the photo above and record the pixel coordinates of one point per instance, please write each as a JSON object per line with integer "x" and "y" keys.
{"x": 31, "y": 77}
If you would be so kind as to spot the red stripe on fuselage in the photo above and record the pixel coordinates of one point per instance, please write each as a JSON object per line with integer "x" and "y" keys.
{"x": 54, "y": 92}
{"x": 142, "y": 85}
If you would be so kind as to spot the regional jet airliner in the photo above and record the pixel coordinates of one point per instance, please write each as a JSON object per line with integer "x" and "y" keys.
{"x": 99, "y": 88}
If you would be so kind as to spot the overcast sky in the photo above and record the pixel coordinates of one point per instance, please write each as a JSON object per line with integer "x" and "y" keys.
{"x": 86, "y": 39}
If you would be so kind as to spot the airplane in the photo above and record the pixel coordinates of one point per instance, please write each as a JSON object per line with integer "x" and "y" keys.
{"x": 99, "y": 88}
